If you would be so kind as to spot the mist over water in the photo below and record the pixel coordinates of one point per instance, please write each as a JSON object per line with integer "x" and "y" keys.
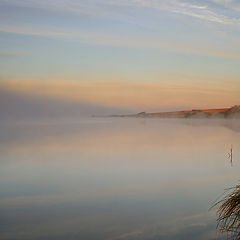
{"x": 109, "y": 178}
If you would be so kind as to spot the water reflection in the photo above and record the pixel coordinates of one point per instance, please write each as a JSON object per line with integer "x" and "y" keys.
{"x": 114, "y": 178}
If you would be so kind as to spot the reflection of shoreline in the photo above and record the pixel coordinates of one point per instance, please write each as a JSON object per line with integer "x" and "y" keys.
{"x": 231, "y": 124}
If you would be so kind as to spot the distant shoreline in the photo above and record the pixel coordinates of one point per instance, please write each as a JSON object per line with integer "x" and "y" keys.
{"x": 231, "y": 112}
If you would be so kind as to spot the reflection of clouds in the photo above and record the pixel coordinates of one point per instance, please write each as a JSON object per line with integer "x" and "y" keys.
{"x": 175, "y": 228}
{"x": 199, "y": 226}
{"x": 118, "y": 136}
{"x": 74, "y": 228}
{"x": 126, "y": 172}
{"x": 134, "y": 234}
{"x": 143, "y": 191}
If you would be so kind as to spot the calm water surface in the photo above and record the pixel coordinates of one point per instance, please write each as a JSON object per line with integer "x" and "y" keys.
{"x": 115, "y": 178}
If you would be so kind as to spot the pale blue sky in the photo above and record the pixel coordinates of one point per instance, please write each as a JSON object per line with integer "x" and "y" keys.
{"x": 139, "y": 40}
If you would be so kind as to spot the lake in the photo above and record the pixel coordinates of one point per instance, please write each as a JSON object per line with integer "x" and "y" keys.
{"x": 115, "y": 178}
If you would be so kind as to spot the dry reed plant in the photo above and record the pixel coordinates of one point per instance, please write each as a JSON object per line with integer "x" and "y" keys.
{"x": 229, "y": 214}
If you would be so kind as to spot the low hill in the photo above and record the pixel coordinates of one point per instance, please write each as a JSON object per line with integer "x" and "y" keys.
{"x": 231, "y": 112}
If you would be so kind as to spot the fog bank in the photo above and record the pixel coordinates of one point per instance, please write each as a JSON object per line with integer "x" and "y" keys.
{"x": 15, "y": 106}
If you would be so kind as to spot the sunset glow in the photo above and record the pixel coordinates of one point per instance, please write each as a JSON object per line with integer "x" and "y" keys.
{"x": 156, "y": 55}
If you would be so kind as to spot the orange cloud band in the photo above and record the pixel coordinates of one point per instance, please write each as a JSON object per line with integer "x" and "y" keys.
{"x": 133, "y": 94}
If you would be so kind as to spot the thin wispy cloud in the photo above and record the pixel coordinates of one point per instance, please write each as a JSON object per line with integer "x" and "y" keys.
{"x": 200, "y": 11}
{"x": 110, "y": 8}
{"x": 125, "y": 41}
{"x": 228, "y": 4}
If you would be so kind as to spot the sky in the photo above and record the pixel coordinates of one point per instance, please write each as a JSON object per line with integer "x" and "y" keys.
{"x": 143, "y": 55}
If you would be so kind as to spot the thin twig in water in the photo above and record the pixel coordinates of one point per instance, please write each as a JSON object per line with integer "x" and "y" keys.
{"x": 230, "y": 155}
